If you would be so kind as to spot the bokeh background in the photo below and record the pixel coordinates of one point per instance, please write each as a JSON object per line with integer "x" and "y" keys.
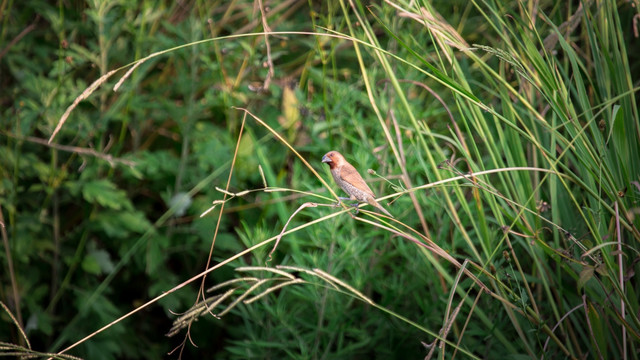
{"x": 505, "y": 135}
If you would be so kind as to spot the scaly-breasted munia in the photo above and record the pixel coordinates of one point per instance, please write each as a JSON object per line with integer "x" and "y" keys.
{"x": 348, "y": 178}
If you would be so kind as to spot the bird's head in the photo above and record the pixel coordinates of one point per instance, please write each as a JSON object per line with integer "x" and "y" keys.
{"x": 333, "y": 158}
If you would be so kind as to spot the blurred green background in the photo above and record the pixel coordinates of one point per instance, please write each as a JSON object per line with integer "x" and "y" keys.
{"x": 530, "y": 253}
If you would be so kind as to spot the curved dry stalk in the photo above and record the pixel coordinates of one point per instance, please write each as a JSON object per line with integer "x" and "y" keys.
{"x": 85, "y": 94}
{"x": 305, "y": 205}
{"x": 15, "y": 322}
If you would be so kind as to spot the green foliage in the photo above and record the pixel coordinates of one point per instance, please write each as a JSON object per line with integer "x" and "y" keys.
{"x": 504, "y": 137}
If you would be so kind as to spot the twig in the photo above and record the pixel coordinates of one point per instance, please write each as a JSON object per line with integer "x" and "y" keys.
{"x": 75, "y": 149}
{"x": 267, "y": 30}
{"x": 12, "y": 276}
{"x": 22, "y": 34}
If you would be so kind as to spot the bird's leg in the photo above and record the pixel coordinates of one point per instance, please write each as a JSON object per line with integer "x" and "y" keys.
{"x": 340, "y": 199}
{"x": 357, "y": 206}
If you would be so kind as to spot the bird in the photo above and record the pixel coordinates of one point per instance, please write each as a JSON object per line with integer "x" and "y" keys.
{"x": 348, "y": 178}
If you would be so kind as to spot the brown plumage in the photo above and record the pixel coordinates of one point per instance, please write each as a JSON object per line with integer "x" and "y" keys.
{"x": 348, "y": 178}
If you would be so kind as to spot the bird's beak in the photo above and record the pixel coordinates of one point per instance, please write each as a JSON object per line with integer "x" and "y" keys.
{"x": 326, "y": 159}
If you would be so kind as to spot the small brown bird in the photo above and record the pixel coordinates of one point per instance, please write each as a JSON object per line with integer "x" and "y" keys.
{"x": 348, "y": 178}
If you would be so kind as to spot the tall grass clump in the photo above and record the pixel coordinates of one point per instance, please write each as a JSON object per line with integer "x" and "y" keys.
{"x": 544, "y": 99}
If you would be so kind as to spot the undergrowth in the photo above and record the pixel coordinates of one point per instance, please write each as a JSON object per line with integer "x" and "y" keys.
{"x": 188, "y": 212}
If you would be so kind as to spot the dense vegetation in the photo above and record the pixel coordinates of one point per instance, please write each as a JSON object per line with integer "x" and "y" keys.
{"x": 503, "y": 136}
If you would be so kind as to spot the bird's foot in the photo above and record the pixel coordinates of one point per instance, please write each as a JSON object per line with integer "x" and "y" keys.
{"x": 340, "y": 200}
{"x": 357, "y": 206}
{"x": 354, "y": 205}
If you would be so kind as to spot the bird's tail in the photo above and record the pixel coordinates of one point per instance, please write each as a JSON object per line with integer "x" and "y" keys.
{"x": 376, "y": 205}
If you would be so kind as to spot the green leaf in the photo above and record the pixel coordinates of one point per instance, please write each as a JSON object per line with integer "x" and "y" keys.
{"x": 121, "y": 224}
{"x": 156, "y": 253}
{"x": 597, "y": 329}
{"x": 585, "y": 275}
{"x": 105, "y": 193}
{"x": 90, "y": 265}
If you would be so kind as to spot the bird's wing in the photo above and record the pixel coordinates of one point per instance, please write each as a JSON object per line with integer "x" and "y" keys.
{"x": 349, "y": 174}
